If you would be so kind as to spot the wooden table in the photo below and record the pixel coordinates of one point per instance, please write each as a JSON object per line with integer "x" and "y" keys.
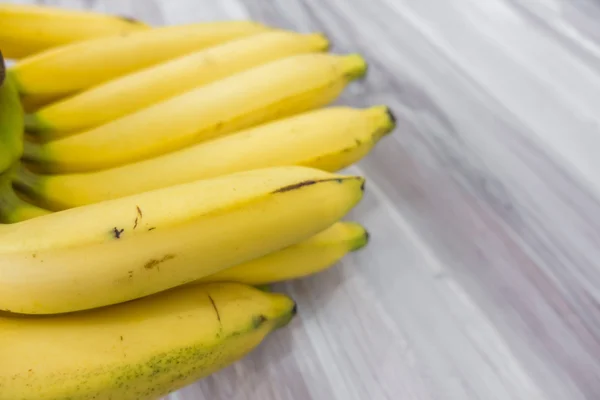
{"x": 482, "y": 280}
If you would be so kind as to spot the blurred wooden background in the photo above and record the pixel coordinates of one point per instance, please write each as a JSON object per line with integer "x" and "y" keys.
{"x": 482, "y": 280}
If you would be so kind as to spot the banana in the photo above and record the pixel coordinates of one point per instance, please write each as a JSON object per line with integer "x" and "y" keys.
{"x": 275, "y": 90}
{"x": 27, "y": 30}
{"x": 11, "y": 121}
{"x": 12, "y": 208}
{"x": 143, "y": 349}
{"x": 123, "y": 249}
{"x": 329, "y": 139}
{"x": 133, "y": 92}
{"x": 305, "y": 258}
{"x": 81, "y": 65}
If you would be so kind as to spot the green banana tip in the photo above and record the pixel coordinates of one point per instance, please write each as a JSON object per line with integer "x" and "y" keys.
{"x": 326, "y": 41}
{"x": 356, "y": 66}
{"x": 388, "y": 126}
{"x": 284, "y": 320}
{"x": 384, "y": 120}
{"x": 392, "y": 118}
{"x": 361, "y": 241}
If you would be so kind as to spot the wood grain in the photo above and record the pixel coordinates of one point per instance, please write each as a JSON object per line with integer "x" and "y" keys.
{"x": 482, "y": 280}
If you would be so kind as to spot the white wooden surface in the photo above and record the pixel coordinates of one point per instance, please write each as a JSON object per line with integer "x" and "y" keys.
{"x": 482, "y": 280}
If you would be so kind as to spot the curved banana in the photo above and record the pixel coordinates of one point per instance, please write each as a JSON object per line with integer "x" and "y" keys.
{"x": 143, "y": 349}
{"x": 275, "y": 90}
{"x": 133, "y": 92}
{"x": 123, "y": 249}
{"x": 11, "y": 121}
{"x": 27, "y": 29}
{"x": 329, "y": 139}
{"x": 81, "y": 65}
{"x": 305, "y": 258}
{"x": 12, "y": 208}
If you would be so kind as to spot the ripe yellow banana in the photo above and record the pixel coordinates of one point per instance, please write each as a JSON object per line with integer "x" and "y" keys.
{"x": 143, "y": 349}
{"x": 275, "y": 90}
{"x": 27, "y": 30}
{"x": 123, "y": 249}
{"x": 78, "y": 66}
{"x": 12, "y": 208}
{"x": 11, "y": 121}
{"x": 329, "y": 139}
{"x": 133, "y": 92}
{"x": 305, "y": 258}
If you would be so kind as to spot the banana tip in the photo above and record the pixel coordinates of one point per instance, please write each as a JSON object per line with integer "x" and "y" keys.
{"x": 390, "y": 123}
{"x": 366, "y": 237}
{"x": 326, "y": 43}
{"x": 356, "y": 66}
{"x": 361, "y": 241}
{"x": 391, "y": 116}
{"x": 285, "y": 319}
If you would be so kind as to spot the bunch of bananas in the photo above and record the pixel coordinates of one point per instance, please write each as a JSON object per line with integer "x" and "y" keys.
{"x": 153, "y": 179}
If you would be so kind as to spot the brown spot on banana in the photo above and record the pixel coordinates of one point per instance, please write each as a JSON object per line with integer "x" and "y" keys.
{"x": 258, "y": 320}
{"x": 138, "y": 216}
{"x": 117, "y": 232}
{"x": 306, "y": 183}
{"x": 155, "y": 263}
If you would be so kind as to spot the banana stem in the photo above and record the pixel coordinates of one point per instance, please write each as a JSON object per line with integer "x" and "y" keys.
{"x": 26, "y": 182}
{"x": 31, "y": 151}
{"x": 12, "y": 208}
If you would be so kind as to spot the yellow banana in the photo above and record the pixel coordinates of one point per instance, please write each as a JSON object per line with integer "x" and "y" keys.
{"x": 143, "y": 349}
{"x": 80, "y": 65}
{"x": 27, "y": 30}
{"x": 123, "y": 249}
{"x": 12, "y": 208}
{"x": 305, "y": 258}
{"x": 11, "y": 121}
{"x": 133, "y": 92}
{"x": 329, "y": 139}
{"x": 275, "y": 90}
